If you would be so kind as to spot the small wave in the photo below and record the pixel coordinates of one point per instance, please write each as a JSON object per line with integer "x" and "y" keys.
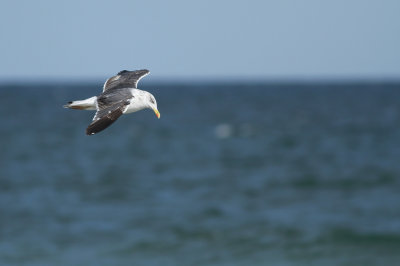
{"x": 348, "y": 236}
{"x": 312, "y": 181}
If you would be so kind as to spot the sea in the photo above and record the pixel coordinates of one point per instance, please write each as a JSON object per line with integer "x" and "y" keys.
{"x": 233, "y": 173}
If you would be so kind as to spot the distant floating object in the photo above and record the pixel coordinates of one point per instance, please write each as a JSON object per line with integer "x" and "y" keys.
{"x": 223, "y": 131}
{"x": 120, "y": 96}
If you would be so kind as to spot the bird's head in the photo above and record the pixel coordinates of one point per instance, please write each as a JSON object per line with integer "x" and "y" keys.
{"x": 152, "y": 104}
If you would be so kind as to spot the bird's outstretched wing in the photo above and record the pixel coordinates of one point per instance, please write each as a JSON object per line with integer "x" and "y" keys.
{"x": 125, "y": 79}
{"x": 110, "y": 106}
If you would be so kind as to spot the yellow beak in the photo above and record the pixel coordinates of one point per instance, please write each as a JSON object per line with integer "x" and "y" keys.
{"x": 157, "y": 113}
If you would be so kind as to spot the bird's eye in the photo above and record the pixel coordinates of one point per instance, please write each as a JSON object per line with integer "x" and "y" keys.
{"x": 152, "y": 100}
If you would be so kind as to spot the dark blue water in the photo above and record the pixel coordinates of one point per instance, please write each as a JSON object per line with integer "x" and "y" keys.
{"x": 232, "y": 174}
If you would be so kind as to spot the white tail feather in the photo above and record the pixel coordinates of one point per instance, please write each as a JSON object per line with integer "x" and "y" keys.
{"x": 87, "y": 104}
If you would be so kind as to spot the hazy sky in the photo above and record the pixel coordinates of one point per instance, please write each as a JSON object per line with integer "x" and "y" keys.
{"x": 194, "y": 39}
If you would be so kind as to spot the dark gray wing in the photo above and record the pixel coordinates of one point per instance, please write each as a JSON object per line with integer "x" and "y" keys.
{"x": 125, "y": 79}
{"x": 110, "y": 106}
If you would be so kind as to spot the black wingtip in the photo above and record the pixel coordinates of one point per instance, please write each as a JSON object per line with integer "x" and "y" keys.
{"x": 104, "y": 122}
{"x": 90, "y": 133}
{"x": 142, "y": 71}
{"x": 122, "y": 72}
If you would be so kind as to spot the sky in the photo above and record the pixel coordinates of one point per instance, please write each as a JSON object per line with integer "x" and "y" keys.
{"x": 220, "y": 39}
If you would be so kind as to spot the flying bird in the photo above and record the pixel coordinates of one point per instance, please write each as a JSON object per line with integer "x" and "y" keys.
{"x": 120, "y": 96}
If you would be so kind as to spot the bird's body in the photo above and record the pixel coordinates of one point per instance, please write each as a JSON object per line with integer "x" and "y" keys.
{"x": 120, "y": 96}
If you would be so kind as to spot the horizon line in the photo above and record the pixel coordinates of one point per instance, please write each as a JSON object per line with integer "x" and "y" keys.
{"x": 211, "y": 79}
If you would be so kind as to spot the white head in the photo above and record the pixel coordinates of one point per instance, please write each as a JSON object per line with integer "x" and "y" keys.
{"x": 152, "y": 103}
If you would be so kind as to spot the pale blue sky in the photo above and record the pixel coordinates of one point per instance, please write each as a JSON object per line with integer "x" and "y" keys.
{"x": 223, "y": 39}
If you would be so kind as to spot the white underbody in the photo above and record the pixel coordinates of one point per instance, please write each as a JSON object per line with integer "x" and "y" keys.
{"x": 137, "y": 103}
{"x": 132, "y": 107}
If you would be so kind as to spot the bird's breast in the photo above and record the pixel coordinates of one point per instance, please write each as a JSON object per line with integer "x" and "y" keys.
{"x": 134, "y": 106}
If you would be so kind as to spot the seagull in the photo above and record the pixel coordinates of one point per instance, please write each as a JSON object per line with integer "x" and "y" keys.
{"x": 120, "y": 96}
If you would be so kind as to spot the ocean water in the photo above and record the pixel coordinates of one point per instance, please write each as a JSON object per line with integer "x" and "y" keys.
{"x": 232, "y": 174}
